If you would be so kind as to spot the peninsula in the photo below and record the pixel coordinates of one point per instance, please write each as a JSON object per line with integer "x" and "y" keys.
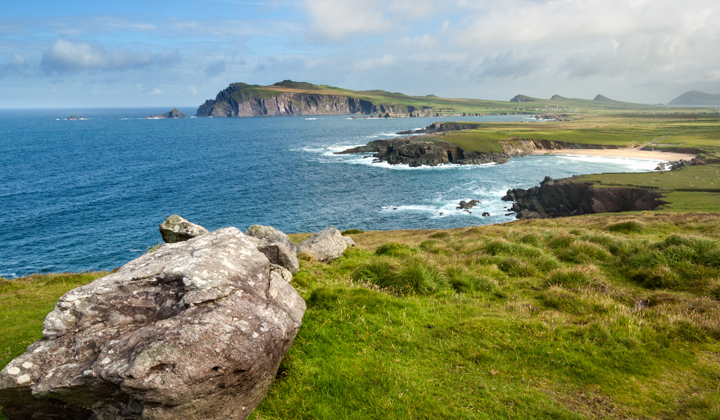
{"x": 289, "y": 98}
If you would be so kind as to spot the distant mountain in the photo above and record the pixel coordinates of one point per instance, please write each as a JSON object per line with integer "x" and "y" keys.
{"x": 558, "y": 98}
{"x": 523, "y": 98}
{"x": 696, "y": 98}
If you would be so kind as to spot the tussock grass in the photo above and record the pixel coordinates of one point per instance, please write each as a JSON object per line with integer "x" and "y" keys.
{"x": 546, "y": 319}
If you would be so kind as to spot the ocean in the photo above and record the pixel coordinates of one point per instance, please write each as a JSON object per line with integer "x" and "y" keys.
{"x": 89, "y": 195}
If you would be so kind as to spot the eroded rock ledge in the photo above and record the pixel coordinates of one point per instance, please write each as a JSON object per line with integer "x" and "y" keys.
{"x": 565, "y": 197}
{"x": 432, "y": 151}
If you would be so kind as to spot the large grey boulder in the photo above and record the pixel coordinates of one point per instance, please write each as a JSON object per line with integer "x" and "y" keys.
{"x": 281, "y": 255}
{"x": 325, "y": 245}
{"x": 194, "y": 330}
{"x": 270, "y": 235}
{"x": 176, "y": 229}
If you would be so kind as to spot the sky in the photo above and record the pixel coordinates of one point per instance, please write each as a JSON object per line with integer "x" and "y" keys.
{"x": 179, "y": 53}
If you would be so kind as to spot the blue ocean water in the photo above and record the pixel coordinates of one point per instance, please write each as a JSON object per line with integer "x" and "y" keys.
{"x": 90, "y": 194}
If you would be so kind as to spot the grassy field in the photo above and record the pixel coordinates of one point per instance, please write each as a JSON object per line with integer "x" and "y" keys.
{"x": 576, "y": 318}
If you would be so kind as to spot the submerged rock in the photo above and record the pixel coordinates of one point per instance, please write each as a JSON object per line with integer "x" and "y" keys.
{"x": 325, "y": 245}
{"x": 467, "y": 204}
{"x": 194, "y": 330}
{"x": 176, "y": 229}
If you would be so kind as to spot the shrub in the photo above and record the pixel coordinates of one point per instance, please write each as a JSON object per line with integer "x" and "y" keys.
{"x": 561, "y": 241}
{"x": 532, "y": 239}
{"x": 626, "y": 227}
{"x": 394, "y": 249}
{"x": 381, "y": 273}
{"x": 658, "y": 277}
{"x": 463, "y": 282}
{"x": 418, "y": 278}
{"x": 352, "y": 232}
{"x": 574, "y": 277}
{"x": 516, "y": 267}
{"x": 582, "y": 251}
{"x": 439, "y": 235}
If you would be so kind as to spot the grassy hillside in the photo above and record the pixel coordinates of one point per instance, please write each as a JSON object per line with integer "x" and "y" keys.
{"x": 434, "y": 104}
{"x": 575, "y": 318}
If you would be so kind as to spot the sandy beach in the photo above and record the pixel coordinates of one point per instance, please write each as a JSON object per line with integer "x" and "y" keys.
{"x": 626, "y": 153}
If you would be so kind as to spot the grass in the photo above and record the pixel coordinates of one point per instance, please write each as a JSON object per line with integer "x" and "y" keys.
{"x": 574, "y": 318}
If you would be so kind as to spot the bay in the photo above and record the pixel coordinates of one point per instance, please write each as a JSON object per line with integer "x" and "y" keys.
{"x": 90, "y": 194}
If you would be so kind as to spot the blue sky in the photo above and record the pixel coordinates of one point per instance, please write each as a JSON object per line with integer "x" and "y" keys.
{"x": 179, "y": 53}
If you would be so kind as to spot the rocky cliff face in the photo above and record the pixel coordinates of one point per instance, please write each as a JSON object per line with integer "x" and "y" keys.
{"x": 568, "y": 198}
{"x": 433, "y": 151}
{"x": 237, "y": 102}
{"x": 424, "y": 150}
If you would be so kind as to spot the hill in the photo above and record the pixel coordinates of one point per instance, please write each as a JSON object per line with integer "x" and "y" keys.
{"x": 695, "y": 97}
{"x": 302, "y": 98}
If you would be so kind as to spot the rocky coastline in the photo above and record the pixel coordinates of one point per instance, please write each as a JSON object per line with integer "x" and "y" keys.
{"x": 567, "y": 197}
{"x": 426, "y": 149}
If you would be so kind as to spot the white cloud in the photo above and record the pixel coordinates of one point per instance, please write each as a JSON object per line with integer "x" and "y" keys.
{"x": 156, "y": 91}
{"x": 65, "y": 55}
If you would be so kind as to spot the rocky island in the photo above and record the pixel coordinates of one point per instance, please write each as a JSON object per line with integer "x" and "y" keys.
{"x": 172, "y": 114}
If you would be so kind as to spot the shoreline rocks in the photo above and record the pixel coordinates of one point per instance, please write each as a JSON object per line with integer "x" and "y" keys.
{"x": 564, "y": 197}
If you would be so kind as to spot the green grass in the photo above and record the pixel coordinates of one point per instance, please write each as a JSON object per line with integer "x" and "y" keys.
{"x": 527, "y": 320}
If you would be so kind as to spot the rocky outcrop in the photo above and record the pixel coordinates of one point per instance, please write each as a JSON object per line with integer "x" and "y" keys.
{"x": 241, "y": 100}
{"x": 194, "y": 330}
{"x": 270, "y": 235}
{"x": 432, "y": 151}
{"x": 349, "y": 241}
{"x": 281, "y": 255}
{"x": 176, "y": 229}
{"x": 325, "y": 245}
{"x": 569, "y": 198}
{"x": 466, "y": 205}
{"x": 174, "y": 113}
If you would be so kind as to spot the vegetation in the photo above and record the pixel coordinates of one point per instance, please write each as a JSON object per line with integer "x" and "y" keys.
{"x": 574, "y": 318}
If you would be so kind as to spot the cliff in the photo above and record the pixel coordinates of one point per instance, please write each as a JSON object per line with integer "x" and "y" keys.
{"x": 568, "y": 198}
{"x": 424, "y": 150}
{"x": 243, "y": 100}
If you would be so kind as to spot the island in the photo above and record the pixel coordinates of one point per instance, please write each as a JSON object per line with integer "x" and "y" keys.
{"x": 172, "y": 114}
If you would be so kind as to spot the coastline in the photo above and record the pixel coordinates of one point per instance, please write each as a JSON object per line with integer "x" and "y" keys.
{"x": 624, "y": 153}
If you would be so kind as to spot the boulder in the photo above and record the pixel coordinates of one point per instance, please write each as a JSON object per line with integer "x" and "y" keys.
{"x": 349, "y": 241}
{"x": 281, "y": 255}
{"x": 270, "y": 235}
{"x": 325, "y": 245}
{"x": 464, "y": 205}
{"x": 194, "y": 330}
{"x": 176, "y": 229}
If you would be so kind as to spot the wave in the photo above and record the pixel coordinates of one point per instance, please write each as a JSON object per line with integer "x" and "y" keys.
{"x": 310, "y": 119}
{"x": 636, "y": 164}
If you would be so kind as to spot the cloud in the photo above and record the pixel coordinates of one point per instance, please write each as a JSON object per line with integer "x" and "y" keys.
{"x": 336, "y": 19}
{"x": 156, "y": 91}
{"x": 65, "y": 55}
{"x": 19, "y": 65}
